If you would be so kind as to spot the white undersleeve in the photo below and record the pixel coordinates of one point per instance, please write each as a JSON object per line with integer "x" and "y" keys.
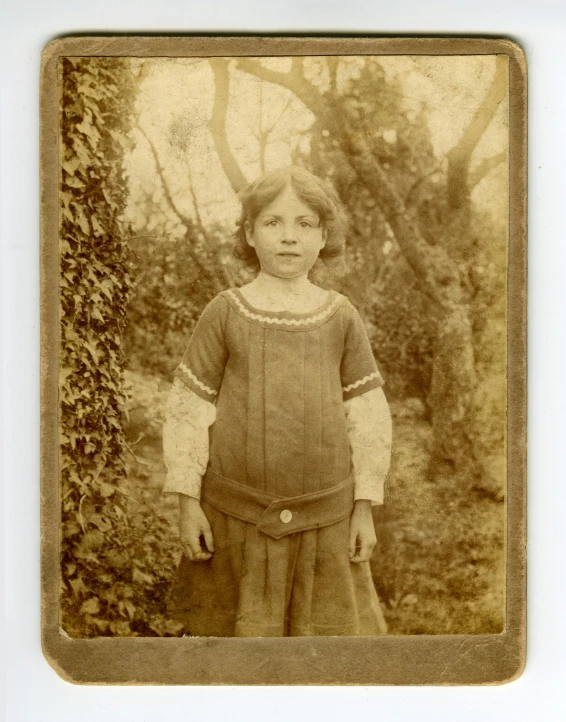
{"x": 369, "y": 430}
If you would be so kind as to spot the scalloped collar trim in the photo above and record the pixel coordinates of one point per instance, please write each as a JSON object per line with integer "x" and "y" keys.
{"x": 286, "y": 318}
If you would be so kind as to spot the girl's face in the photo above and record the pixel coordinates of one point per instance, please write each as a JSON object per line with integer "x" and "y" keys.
{"x": 287, "y": 236}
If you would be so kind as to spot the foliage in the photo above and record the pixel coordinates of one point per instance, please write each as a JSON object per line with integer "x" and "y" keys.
{"x": 175, "y": 279}
{"x": 380, "y": 281}
{"x": 112, "y": 563}
{"x": 400, "y": 331}
{"x": 439, "y": 561}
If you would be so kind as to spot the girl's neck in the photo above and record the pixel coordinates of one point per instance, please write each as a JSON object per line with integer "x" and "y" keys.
{"x": 272, "y": 293}
{"x": 282, "y": 286}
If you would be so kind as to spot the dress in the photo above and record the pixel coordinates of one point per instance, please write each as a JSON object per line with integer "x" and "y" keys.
{"x": 279, "y": 382}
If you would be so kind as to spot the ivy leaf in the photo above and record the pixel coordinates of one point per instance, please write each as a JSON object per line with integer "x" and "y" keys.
{"x": 81, "y": 151}
{"x": 139, "y": 577}
{"x": 105, "y": 287}
{"x": 102, "y": 624}
{"x": 84, "y": 89}
{"x": 78, "y": 586}
{"x": 71, "y": 165}
{"x": 74, "y": 182}
{"x": 90, "y": 606}
{"x": 70, "y": 528}
{"x": 91, "y": 541}
{"x": 98, "y": 229}
{"x": 82, "y": 220}
{"x": 130, "y": 608}
{"x": 117, "y": 559}
{"x": 106, "y": 489}
{"x": 121, "y": 628}
{"x": 126, "y": 607}
{"x": 101, "y": 522}
{"x": 68, "y": 215}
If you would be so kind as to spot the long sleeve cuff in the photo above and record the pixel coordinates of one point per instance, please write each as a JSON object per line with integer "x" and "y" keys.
{"x": 183, "y": 481}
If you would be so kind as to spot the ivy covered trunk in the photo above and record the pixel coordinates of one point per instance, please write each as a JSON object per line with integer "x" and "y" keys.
{"x": 105, "y": 576}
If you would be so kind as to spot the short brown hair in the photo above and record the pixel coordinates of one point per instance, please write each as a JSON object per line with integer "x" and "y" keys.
{"x": 312, "y": 190}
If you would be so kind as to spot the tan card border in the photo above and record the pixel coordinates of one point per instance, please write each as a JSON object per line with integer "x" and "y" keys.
{"x": 439, "y": 660}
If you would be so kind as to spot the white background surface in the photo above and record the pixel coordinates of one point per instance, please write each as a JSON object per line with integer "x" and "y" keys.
{"x": 34, "y": 691}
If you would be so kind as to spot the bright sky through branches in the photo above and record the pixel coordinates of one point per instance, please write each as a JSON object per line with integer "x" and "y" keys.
{"x": 175, "y": 103}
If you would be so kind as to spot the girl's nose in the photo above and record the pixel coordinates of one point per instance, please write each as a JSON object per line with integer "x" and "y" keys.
{"x": 288, "y": 233}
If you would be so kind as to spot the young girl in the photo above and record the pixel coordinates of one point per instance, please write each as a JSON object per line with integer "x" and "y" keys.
{"x": 278, "y": 436}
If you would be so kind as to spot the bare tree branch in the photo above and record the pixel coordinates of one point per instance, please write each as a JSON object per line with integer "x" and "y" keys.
{"x": 485, "y": 167}
{"x": 293, "y": 81}
{"x": 460, "y": 155}
{"x": 436, "y": 271}
{"x": 281, "y": 114}
{"x": 264, "y": 133}
{"x": 218, "y": 123}
{"x": 262, "y": 136}
{"x": 161, "y": 173}
{"x": 192, "y": 190}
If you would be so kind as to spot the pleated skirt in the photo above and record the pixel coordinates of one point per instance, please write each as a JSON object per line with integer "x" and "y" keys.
{"x": 254, "y": 586}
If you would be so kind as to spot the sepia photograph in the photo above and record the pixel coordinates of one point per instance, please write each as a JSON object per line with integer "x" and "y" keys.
{"x": 283, "y": 296}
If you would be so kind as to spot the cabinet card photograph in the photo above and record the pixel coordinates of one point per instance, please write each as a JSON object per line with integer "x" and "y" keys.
{"x": 283, "y": 348}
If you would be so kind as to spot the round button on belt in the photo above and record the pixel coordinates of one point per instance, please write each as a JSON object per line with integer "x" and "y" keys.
{"x": 286, "y": 516}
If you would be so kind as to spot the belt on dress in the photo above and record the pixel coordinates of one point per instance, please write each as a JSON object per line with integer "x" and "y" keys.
{"x": 274, "y": 515}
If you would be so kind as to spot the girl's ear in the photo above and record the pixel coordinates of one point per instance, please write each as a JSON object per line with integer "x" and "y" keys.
{"x": 324, "y": 237}
{"x": 248, "y": 229}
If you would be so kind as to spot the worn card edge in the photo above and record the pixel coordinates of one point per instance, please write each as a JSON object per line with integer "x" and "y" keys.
{"x": 408, "y": 660}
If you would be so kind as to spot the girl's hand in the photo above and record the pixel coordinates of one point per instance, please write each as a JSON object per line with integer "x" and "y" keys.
{"x": 193, "y": 525}
{"x": 362, "y": 532}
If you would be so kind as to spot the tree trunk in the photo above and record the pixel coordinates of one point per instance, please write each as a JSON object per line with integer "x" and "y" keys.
{"x": 452, "y": 384}
{"x": 453, "y": 372}
{"x": 218, "y": 123}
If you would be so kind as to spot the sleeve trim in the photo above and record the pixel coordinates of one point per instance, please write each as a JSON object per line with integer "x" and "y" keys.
{"x": 186, "y": 370}
{"x": 361, "y": 382}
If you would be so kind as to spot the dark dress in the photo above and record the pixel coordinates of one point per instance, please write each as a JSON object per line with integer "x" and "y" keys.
{"x": 279, "y": 381}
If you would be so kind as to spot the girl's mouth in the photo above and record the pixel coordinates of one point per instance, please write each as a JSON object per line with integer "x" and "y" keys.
{"x": 289, "y": 253}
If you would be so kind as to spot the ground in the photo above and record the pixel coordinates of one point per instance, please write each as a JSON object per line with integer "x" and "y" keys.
{"x": 439, "y": 562}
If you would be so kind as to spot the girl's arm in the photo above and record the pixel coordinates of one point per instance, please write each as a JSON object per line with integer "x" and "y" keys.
{"x": 190, "y": 413}
{"x": 185, "y": 445}
{"x": 369, "y": 427}
{"x": 185, "y": 439}
{"x": 369, "y": 431}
